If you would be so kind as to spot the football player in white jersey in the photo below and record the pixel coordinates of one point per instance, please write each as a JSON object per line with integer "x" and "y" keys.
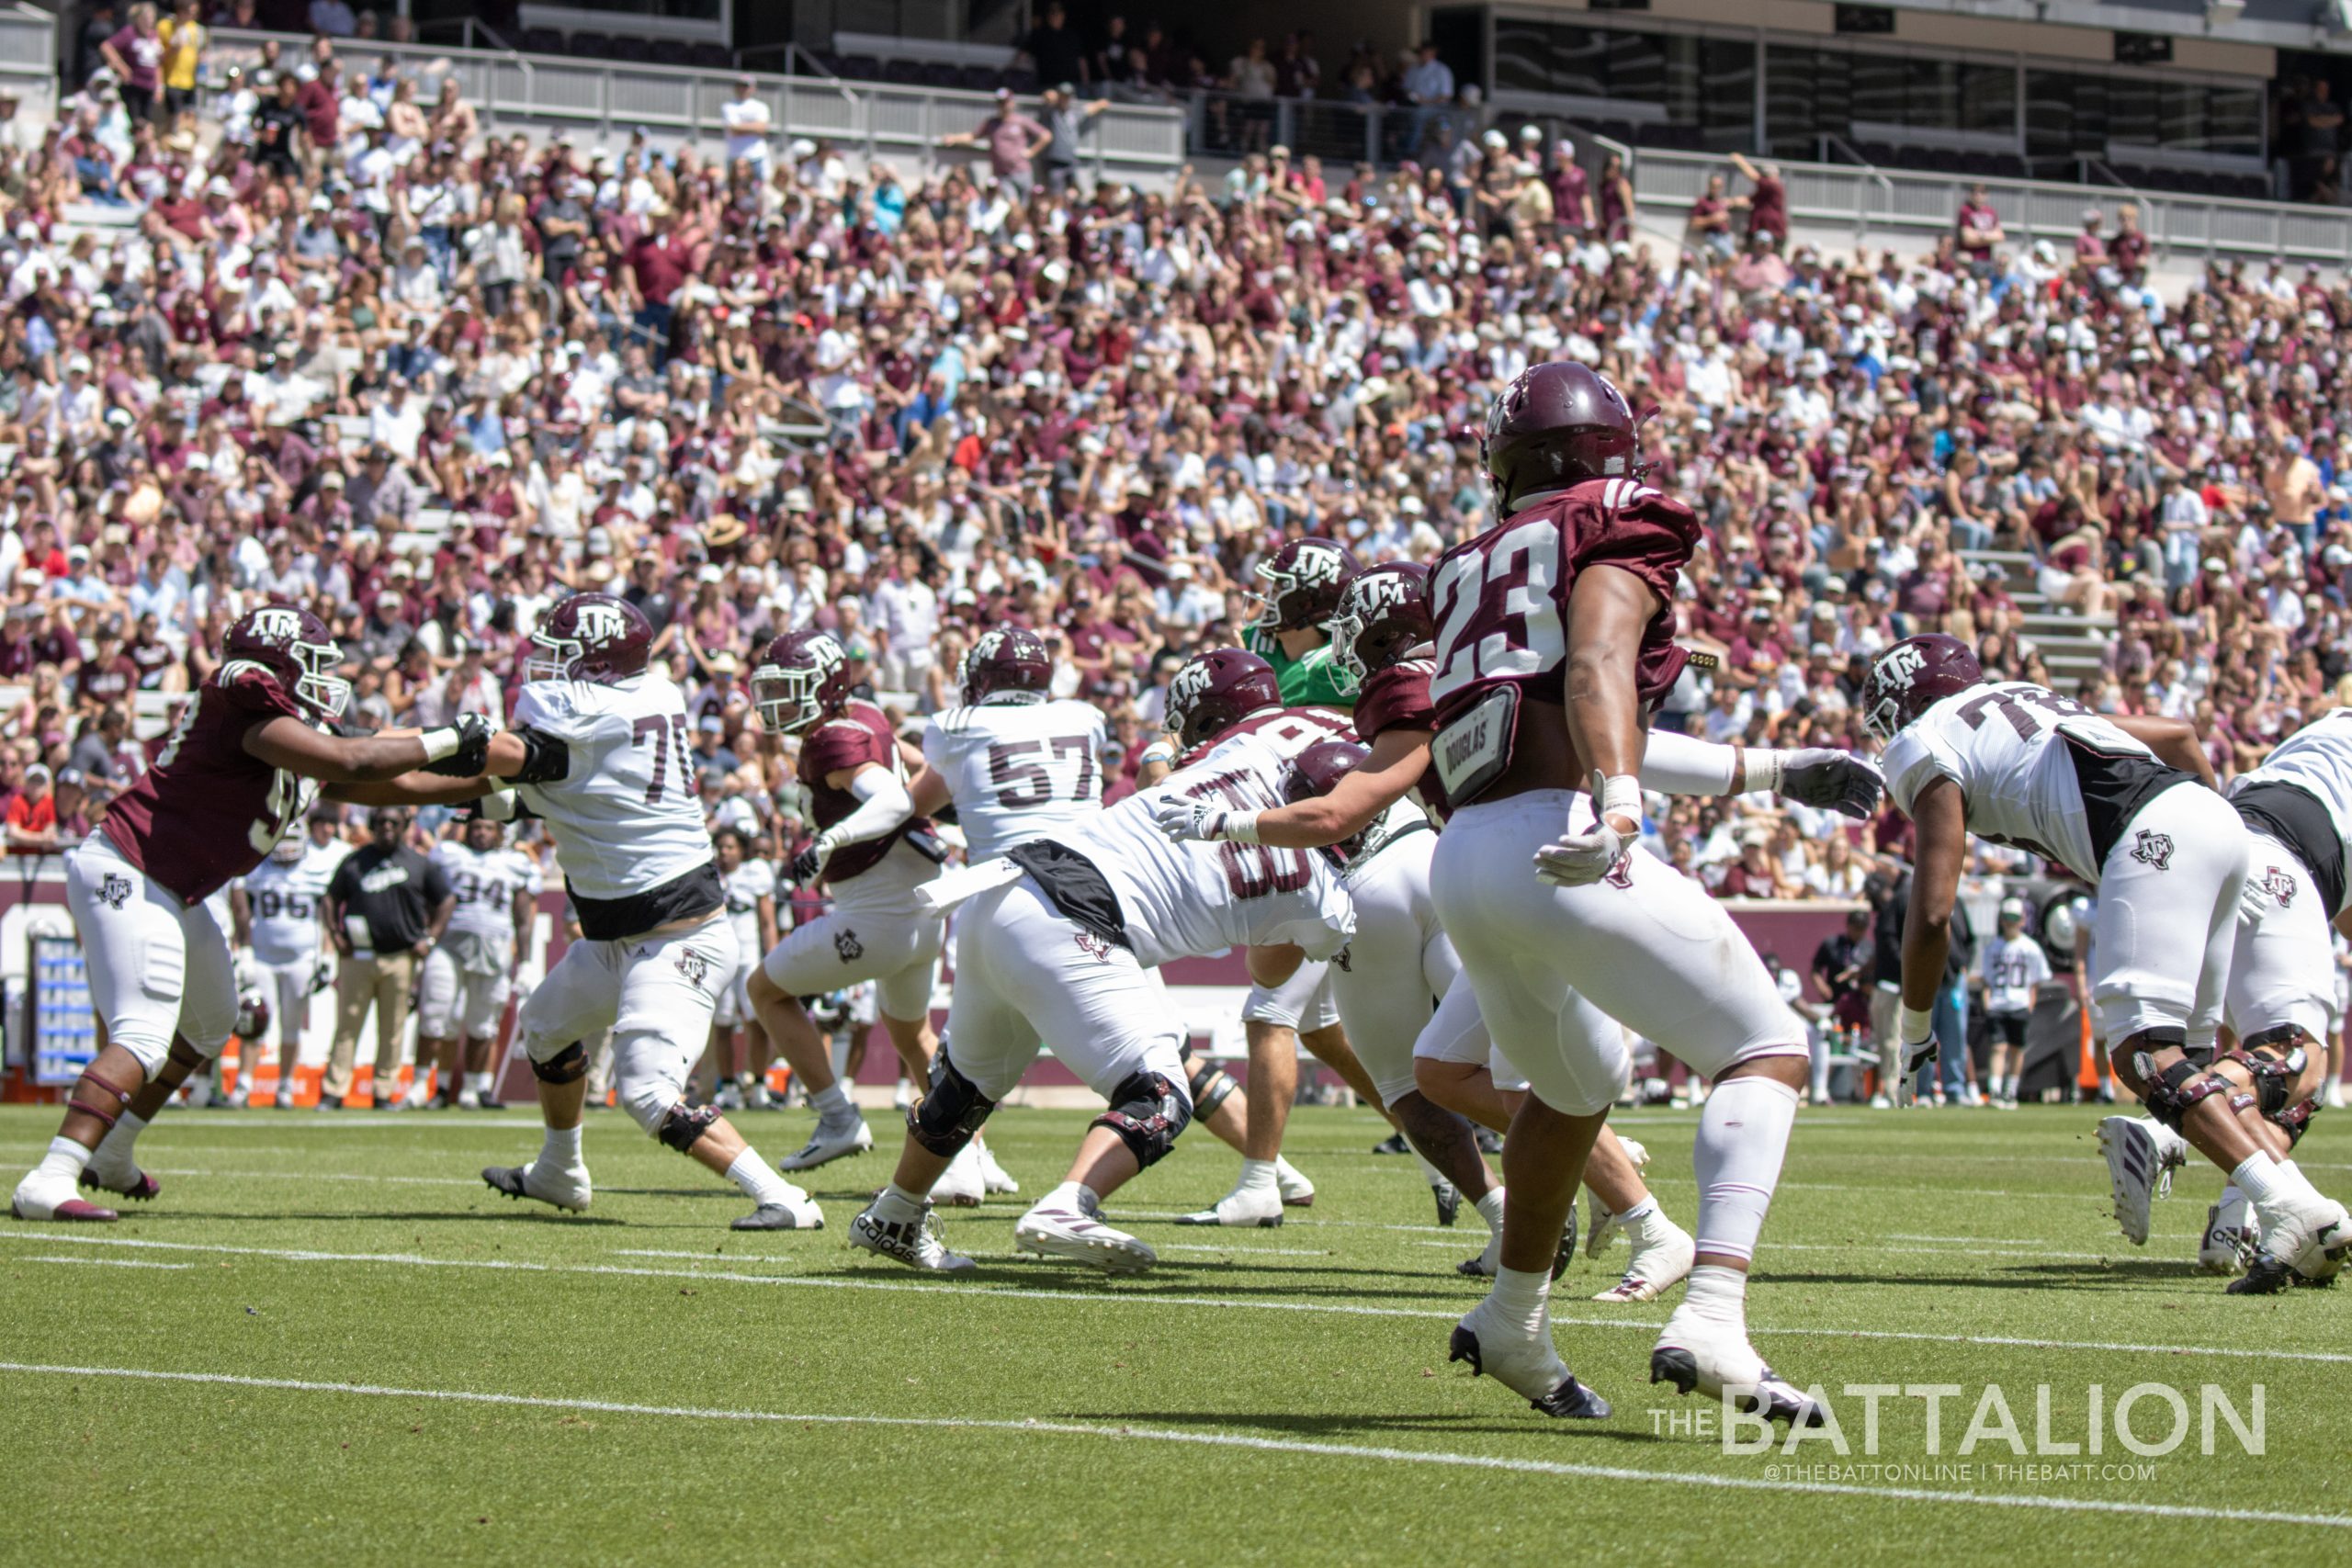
{"x": 2281, "y": 999}
{"x": 602, "y": 751}
{"x": 276, "y": 910}
{"x": 737, "y": 1065}
{"x": 2129, "y": 802}
{"x": 1058, "y": 945}
{"x": 470, "y": 974}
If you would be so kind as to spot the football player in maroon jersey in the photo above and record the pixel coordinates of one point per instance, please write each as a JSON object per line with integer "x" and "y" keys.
{"x": 1553, "y": 643}
{"x": 250, "y": 753}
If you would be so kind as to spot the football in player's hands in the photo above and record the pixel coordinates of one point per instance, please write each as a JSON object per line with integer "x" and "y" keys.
{"x": 1833, "y": 780}
{"x": 1181, "y": 819}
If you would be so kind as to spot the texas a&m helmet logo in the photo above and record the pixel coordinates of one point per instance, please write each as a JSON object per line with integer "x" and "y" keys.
{"x": 599, "y": 624}
{"x": 279, "y": 626}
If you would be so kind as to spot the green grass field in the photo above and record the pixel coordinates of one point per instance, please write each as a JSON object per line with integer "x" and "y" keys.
{"x": 328, "y": 1342}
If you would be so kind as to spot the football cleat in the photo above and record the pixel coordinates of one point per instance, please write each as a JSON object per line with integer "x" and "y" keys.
{"x": 829, "y": 1143}
{"x": 1706, "y": 1358}
{"x": 568, "y": 1189}
{"x": 1449, "y": 1201}
{"x": 52, "y": 1199}
{"x": 728, "y": 1097}
{"x": 1483, "y": 1264}
{"x": 1242, "y": 1206}
{"x": 1296, "y": 1191}
{"x": 1525, "y": 1364}
{"x": 994, "y": 1176}
{"x": 285, "y": 1099}
{"x": 1081, "y": 1234}
{"x": 139, "y": 1186}
{"x": 2299, "y": 1247}
{"x": 2136, "y": 1171}
{"x": 1489, "y": 1141}
{"x": 916, "y": 1243}
{"x": 797, "y": 1213}
{"x": 2231, "y": 1234}
{"x": 962, "y": 1185}
{"x": 1394, "y": 1144}
{"x": 1663, "y": 1252}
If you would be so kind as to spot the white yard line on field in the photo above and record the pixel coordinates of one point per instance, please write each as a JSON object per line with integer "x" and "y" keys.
{"x": 108, "y": 1262}
{"x": 1120, "y": 1299}
{"x": 2135, "y": 1508}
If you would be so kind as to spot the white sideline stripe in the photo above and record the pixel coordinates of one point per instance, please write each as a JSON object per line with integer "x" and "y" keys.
{"x": 1261, "y": 1251}
{"x": 109, "y": 1262}
{"x": 704, "y": 1257}
{"x": 1213, "y": 1441}
{"x": 1881, "y": 1251}
{"x": 1114, "y": 1297}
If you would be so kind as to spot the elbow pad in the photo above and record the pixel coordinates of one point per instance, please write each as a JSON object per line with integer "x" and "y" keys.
{"x": 546, "y": 758}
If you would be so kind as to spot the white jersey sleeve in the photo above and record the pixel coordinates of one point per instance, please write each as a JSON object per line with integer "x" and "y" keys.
{"x": 2016, "y": 751}
{"x": 1189, "y": 898}
{"x": 746, "y": 885}
{"x": 624, "y": 816}
{"x": 1018, "y": 771}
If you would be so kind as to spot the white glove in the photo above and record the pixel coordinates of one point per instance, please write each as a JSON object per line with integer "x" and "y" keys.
{"x": 1579, "y": 860}
{"x": 1180, "y": 819}
{"x": 498, "y": 806}
{"x": 2254, "y": 901}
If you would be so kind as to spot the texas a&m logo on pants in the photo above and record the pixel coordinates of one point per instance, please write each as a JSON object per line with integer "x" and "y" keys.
{"x": 695, "y": 966}
{"x": 114, "y": 891}
{"x": 2280, "y": 885}
{"x": 2152, "y": 849}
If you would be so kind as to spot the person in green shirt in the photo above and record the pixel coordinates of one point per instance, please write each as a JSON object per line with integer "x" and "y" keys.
{"x": 1291, "y": 633}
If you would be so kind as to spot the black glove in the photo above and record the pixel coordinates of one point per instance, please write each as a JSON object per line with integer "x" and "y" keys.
{"x": 473, "y": 749}
{"x": 810, "y": 863}
{"x": 1832, "y": 780}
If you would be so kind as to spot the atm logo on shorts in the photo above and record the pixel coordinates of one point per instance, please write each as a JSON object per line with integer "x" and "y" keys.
{"x": 114, "y": 892}
{"x": 2279, "y": 884}
{"x": 1094, "y": 946}
{"x": 845, "y": 942}
{"x": 1621, "y": 873}
{"x": 2153, "y": 849}
{"x": 695, "y": 966}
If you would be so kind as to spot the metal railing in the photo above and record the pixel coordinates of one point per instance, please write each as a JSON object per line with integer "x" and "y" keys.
{"x": 610, "y": 100}
{"x": 1223, "y": 124}
{"x": 1884, "y": 203}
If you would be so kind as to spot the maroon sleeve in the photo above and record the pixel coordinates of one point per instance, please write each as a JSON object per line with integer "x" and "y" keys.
{"x": 838, "y": 744}
{"x": 1648, "y": 534}
{"x": 1397, "y": 698}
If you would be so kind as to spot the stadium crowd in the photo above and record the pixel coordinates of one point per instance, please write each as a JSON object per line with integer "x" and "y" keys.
{"x": 340, "y": 347}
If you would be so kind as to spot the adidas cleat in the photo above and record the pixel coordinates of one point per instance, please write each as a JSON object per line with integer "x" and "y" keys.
{"x": 796, "y": 1213}
{"x": 1663, "y": 1252}
{"x": 1449, "y": 1201}
{"x": 2136, "y": 1171}
{"x": 2298, "y": 1249}
{"x": 52, "y": 1199}
{"x": 1709, "y": 1360}
{"x": 569, "y": 1191}
{"x": 827, "y": 1144}
{"x": 1526, "y": 1365}
{"x": 917, "y": 1243}
{"x": 2232, "y": 1236}
{"x": 1082, "y": 1235}
{"x": 1394, "y": 1144}
{"x": 139, "y": 1186}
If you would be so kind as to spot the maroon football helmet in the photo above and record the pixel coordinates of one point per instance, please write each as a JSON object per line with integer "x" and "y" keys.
{"x": 1303, "y": 581}
{"x": 591, "y": 636}
{"x": 1911, "y": 677}
{"x": 802, "y": 677}
{"x": 1554, "y": 424}
{"x": 1010, "y": 658}
{"x": 1217, "y": 690}
{"x": 1384, "y": 614}
{"x": 298, "y": 649}
{"x": 1317, "y": 772}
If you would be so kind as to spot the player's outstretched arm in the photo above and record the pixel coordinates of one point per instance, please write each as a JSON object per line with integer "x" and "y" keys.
{"x": 1379, "y": 782}
{"x": 1815, "y": 775}
{"x": 1940, "y": 823}
{"x": 288, "y": 743}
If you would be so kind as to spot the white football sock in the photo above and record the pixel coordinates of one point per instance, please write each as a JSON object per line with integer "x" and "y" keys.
{"x": 1519, "y": 1296}
{"x": 1283, "y": 1168}
{"x": 831, "y": 1103}
{"x": 758, "y": 1180}
{"x": 1074, "y": 1195}
{"x": 120, "y": 1138}
{"x": 1716, "y": 1294}
{"x": 1490, "y": 1209}
{"x": 1743, "y": 1135}
{"x": 65, "y": 1160}
{"x": 560, "y": 1149}
{"x": 895, "y": 1204}
{"x": 1631, "y": 1218}
{"x": 1257, "y": 1175}
{"x": 2292, "y": 1184}
{"x": 1430, "y": 1173}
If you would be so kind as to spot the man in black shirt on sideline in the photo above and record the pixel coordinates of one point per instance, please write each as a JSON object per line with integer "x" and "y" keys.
{"x": 386, "y": 908}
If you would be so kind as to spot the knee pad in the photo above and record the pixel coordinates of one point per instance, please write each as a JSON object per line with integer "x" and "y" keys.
{"x": 2173, "y": 1091}
{"x": 2297, "y": 1119}
{"x": 2273, "y": 1069}
{"x": 682, "y": 1129}
{"x": 567, "y": 1066}
{"x": 97, "y": 1097}
{"x": 1148, "y": 1114}
{"x": 944, "y": 1119}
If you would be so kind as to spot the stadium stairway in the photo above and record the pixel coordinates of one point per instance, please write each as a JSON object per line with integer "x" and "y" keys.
{"x": 2074, "y": 646}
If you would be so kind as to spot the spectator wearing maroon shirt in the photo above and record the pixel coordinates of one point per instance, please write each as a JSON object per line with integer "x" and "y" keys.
{"x": 2130, "y": 245}
{"x": 318, "y": 103}
{"x": 660, "y": 262}
{"x": 135, "y": 54}
{"x": 1976, "y": 229}
{"x": 1768, "y": 204}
